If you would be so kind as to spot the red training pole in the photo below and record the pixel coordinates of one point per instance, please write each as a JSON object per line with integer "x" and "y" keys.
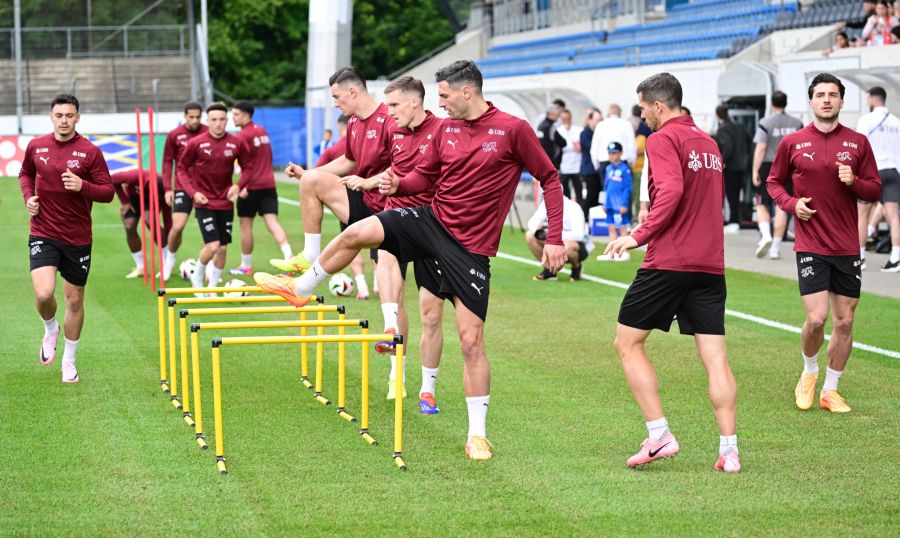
{"x": 156, "y": 228}
{"x": 140, "y": 210}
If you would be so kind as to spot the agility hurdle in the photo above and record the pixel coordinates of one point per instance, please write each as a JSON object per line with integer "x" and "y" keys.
{"x": 173, "y": 386}
{"x": 161, "y": 318}
{"x": 364, "y": 339}
{"x": 197, "y": 423}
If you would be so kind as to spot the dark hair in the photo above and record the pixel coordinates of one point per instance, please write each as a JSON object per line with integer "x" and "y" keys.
{"x": 342, "y": 119}
{"x": 461, "y": 72}
{"x": 407, "y": 85}
{"x": 878, "y": 91}
{"x": 327, "y": 131}
{"x": 560, "y": 103}
{"x": 348, "y": 75}
{"x": 685, "y": 111}
{"x": 192, "y": 105}
{"x": 844, "y": 34}
{"x": 779, "y": 99}
{"x": 722, "y": 112}
{"x": 825, "y": 78}
{"x": 636, "y": 111}
{"x": 565, "y": 111}
{"x": 661, "y": 87}
{"x": 65, "y": 99}
{"x": 244, "y": 106}
{"x": 217, "y": 105}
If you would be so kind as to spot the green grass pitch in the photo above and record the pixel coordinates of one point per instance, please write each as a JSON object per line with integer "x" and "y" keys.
{"x": 110, "y": 456}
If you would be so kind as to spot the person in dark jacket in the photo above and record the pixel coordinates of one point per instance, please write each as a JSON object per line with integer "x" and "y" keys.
{"x": 552, "y": 142}
{"x": 734, "y": 144}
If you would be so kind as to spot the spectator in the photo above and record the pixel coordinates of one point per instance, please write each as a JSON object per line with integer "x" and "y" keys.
{"x": 572, "y": 236}
{"x": 589, "y": 176}
{"x": 635, "y": 118}
{"x": 734, "y": 144}
{"x": 551, "y": 141}
{"x": 877, "y": 31}
{"x": 570, "y": 166}
{"x": 868, "y": 9}
{"x": 841, "y": 41}
{"x": 326, "y": 142}
{"x": 613, "y": 129}
{"x": 617, "y": 184}
{"x": 685, "y": 111}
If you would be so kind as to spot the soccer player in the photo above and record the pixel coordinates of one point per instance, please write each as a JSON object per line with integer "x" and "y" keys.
{"x": 411, "y": 135}
{"x": 62, "y": 175}
{"x": 769, "y": 133}
{"x": 883, "y": 131}
{"x": 208, "y": 163}
{"x": 480, "y": 155}
{"x": 617, "y": 184}
{"x": 683, "y": 273}
{"x": 257, "y": 193}
{"x": 127, "y": 187}
{"x": 831, "y": 166}
{"x": 176, "y": 197}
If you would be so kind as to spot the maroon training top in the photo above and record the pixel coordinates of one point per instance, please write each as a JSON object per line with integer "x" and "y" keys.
{"x": 209, "y": 163}
{"x": 64, "y": 215}
{"x": 684, "y": 228}
{"x": 176, "y": 141}
{"x": 477, "y": 165}
{"x": 256, "y": 158}
{"x": 126, "y": 185}
{"x": 809, "y": 157}
{"x": 332, "y": 152}
{"x": 369, "y": 147}
{"x": 408, "y": 149}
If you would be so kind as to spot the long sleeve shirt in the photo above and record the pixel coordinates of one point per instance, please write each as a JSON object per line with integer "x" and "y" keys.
{"x": 368, "y": 145}
{"x": 256, "y": 158}
{"x": 64, "y": 215}
{"x": 209, "y": 163}
{"x": 808, "y": 157}
{"x": 176, "y": 141}
{"x": 477, "y": 166}
{"x": 408, "y": 148}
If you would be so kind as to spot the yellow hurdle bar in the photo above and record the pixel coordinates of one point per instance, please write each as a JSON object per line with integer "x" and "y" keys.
{"x": 219, "y": 300}
{"x": 398, "y": 409}
{"x": 304, "y": 356}
{"x": 225, "y": 325}
{"x": 185, "y": 389}
{"x": 173, "y": 372}
{"x": 259, "y": 310}
{"x": 219, "y": 289}
{"x": 342, "y": 375}
{"x": 364, "y": 383}
{"x": 161, "y": 319}
{"x": 217, "y": 343}
{"x": 320, "y": 365}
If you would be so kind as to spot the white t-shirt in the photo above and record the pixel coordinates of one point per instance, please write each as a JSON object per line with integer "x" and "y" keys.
{"x": 573, "y": 220}
{"x": 571, "y": 159}
{"x": 884, "y": 136}
{"x": 614, "y": 129}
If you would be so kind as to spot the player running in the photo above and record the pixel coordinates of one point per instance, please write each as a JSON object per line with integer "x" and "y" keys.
{"x": 127, "y": 187}
{"x": 831, "y": 166}
{"x": 62, "y": 175}
{"x": 683, "y": 273}
{"x": 479, "y": 157}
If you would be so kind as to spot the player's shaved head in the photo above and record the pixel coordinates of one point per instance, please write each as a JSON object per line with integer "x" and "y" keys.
{"x": 461, "y": 73}
{"x": 408, "y": 85}
{"x": 348, "y": 76}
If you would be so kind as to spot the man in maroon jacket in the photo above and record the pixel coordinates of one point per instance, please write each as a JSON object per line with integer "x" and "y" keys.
{"x": 176, "y": 142}
{"x": 62, "y": 175}
{"x": 831, "y": 167}
{"x": 127, "y": 189}
{"x": 683, "y": 273}
{"x": 479, "y": 157}
{"x": 257, "y": 195}
{"x": 208, "y": 162}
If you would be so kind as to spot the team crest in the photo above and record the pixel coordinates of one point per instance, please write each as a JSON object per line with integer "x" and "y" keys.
{"x": 489, "y": 146}
{"x": 73, "y": 163}
{"x": 844, "y": 156}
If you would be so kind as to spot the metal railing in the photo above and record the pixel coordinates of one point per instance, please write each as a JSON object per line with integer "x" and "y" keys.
{"x": 97, "y": 41}
{"x": 514, "y": 16}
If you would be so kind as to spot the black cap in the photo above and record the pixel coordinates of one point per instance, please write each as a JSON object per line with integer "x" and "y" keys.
{"x": 614, "y": 147}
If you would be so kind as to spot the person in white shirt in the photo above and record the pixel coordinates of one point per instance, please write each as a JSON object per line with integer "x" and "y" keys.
{"x": 613, "y": 129}
{"x": 883, "y": 131}
{"x": 572, "y": 236}
{"x": 570, "y": 167}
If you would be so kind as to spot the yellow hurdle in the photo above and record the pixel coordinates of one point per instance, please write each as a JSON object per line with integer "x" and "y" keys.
{"x": 218, "y": 343}
{"x": 341, "y": 323}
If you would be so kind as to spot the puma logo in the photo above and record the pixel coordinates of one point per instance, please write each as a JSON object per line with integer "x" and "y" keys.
{"x": 810, "y": 155}
{"x": 453, "y": 143}
{"x": 398, "y": 147}
{"x": 476, "y": 287}
{"x": 208, "y": 152}
{"x": 45, "y": 159}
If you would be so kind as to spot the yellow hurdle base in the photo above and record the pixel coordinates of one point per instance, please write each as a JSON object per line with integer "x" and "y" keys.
{"x": 164, "y": 385}
{"x": 220, "y": 463}
{"x": 368, "y": 438}
{"x": 345, "y": 415}
{"x": 398, "y": 460}
{"x": 306, "y": 383}
{"x": 187, "y": 419}
{"x": 322, "y": 400}
{"x": 176, "y": 403}
{"x": 202, "y": 441}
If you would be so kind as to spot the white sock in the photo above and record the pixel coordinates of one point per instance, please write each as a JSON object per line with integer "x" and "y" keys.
{"x": 50, "y": 326}
{"x": 831, "y": 379}
{"x": 764, "y": 230}
{"x": 199, "y": 273}
{"x": 895, "y": 254}
{"x": 169, "y": 256}
{"x": 246, "y": 260}
{"x": 478, "y": 408}
{"x": 307, "y": 282}
{"x": 389, "y": 311}
{"x": 69, "y": 351}
{"x": 138, "y": 259}
{"x": 393, "y": 375}
{"x": 870, "y": 230}
{"x": 727, "y": 443}
{"x": 810, "y": 364}
{"x": 429, "y": 377}
{"x": 776, "y": 243}
{"x": 862, "y": 253}
{"x": 312, "y": 246}
{"x": 286, "y": 251}
{"x": 214, "y": 276}
{"x": 657, "y": 429}
{"x": 361, "y": 284}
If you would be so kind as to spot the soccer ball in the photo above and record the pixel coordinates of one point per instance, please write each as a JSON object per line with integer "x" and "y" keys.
{"x": 235, "y": 283}
{"x": 340, "y": 285}
{"x": 187, "y": 268}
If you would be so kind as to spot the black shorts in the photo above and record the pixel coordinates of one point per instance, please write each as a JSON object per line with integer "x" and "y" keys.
{"x": 656, "y": 297}
{"x": 428, "y": 275}
{"x": 762, "y": 192}
{"x": 215, "y": 224}
{"x": 258, "y": 202}
{"x": 890, "y": 185}
{"x": 582, "y": 251}
{"x": 72, "y": 261}
{"x": 358, "y": 210}
{"x": 182, "y": 203}
{"x": 837, "y": 274}
{"x": 134, "y": 201}
{"x": 413, "y": 234}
